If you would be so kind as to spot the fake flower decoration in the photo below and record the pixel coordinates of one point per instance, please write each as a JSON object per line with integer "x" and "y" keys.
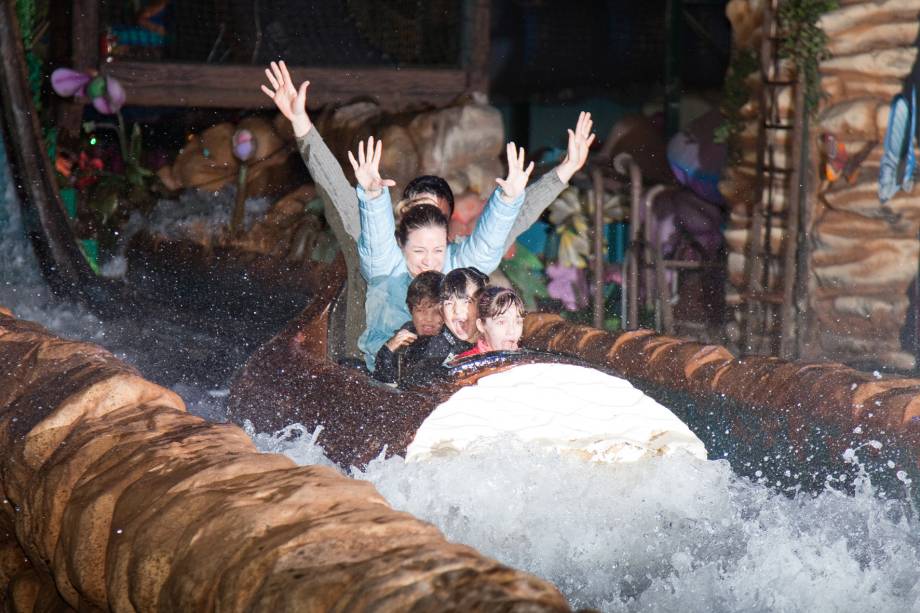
{"x": 244, "y": 148}
{"x": 568, "y": 284}
{"x": 88, "y": 173}
{"x": 571, "y": 213}
{"x": 244, "y": 145}
{"x": 106, "y": 93}
{"x": 108, "y": 189}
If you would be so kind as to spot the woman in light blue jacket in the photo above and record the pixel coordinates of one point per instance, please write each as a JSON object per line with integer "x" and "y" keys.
{"x": 390, "y": 257}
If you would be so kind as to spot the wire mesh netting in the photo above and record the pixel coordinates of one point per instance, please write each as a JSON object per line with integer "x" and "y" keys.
{"x": 553, "y": 45}
{"x": 311, "y": 32}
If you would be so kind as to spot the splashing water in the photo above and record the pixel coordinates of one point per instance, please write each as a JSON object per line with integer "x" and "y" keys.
{"x": 665, "y": 534}
{"x": 668, "y": 534}
{"x": 24, "y": 291}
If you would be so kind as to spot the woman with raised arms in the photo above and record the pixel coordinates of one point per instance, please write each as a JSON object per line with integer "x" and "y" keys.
{"x": 392, "y": 255}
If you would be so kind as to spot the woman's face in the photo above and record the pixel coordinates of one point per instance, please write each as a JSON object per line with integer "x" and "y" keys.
{"x": 502, "y": 332}
{"x": 424, "y": 249}
{"x": 460, "y": 314}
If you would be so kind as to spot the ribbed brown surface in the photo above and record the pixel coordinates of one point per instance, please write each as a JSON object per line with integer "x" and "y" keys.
{"x": 122, "y": 501}
{"x": 767, "y": 396}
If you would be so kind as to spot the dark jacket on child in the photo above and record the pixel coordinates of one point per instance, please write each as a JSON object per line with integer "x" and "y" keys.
{"x": 426, "y": 354}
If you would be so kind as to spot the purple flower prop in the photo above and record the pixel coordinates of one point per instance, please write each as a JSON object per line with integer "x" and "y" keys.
{"x": 568, "y": 284}
{"x": 106, "y": 93}
{"x": 66, "y": 82}
{"x": 111, "y": 101}
{"x": 244, "y": 145}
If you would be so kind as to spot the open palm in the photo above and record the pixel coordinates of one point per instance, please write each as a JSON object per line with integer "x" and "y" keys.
{"x": 291, "y": 101}
{"x": 513, "y": 186}
{"x": 580, "y": 140}
{"x": 367, "y": 168}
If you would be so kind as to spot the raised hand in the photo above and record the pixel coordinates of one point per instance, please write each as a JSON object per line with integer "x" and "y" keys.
{"x": 292, "y": 102}
{"x": 367, "y": 168}
{"x": 579, "y": 143}
{"x": 513, "y": 186}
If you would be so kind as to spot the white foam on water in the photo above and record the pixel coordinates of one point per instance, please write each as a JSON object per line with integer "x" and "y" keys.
{"x": 663, "y": 534}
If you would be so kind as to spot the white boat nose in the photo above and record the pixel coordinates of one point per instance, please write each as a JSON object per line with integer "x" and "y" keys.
{"x": 568, "y": 408}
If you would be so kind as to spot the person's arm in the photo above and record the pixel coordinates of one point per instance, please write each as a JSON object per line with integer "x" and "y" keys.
{"x": 377, "y": 249}
{"x": 327, "y": 173}
{"x": 386, "y": 365}
{"x": 378, "y": 253}
{"x": 323, "y": 167}
{"x": 538, "y": 196}
{"x": 486, "y": 245}
{"x": 543, "y": 192}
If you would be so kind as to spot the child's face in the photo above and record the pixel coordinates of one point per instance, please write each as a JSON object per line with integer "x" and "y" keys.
{"x": 460, "y": 314}
{"x": 502, "y": 332}
{"x": 426, "y": 317}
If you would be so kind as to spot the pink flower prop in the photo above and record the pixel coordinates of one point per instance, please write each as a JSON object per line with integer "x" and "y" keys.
{"x": 111, "y": 101}
{"x": 107, "y": 93}
{"x": 244, "y": 145}
{"x": 66, "y": 82}
{"x": 569, "y": 285}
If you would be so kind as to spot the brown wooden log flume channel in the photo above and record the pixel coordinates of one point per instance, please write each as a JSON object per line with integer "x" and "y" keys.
{"x": 788, "y": 421}
{"x": 115, "y": 498}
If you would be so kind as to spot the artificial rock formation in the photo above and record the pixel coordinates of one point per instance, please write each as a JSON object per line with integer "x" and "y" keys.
{"x": 115, "y": 498}
{"x": 461, "y": 143}
{"x": 862, "y": 254}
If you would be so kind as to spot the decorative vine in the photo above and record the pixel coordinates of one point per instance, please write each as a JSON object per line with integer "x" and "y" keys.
{"x": 805, "y": 43}
{"x": 26, "y": 13}
{"x": 735, "y": 94}
{"x": 31, "y": 14}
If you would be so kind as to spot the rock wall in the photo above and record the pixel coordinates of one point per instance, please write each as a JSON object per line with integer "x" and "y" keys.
{"x": 462, "y": 143}
{"x": 862, "y": 255}
{"x": 114, "y": 498}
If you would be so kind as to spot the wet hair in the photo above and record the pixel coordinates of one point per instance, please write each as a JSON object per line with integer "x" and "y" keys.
{"x": 493, "y": 301}
{"x": 430, "y": 184}
{"x": 454, "y": 283}
{"x": 424, "y": 287}
{"x": 421, "y": 216}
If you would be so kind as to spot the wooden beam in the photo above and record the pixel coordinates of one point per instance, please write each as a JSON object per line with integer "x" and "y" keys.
{"x": 788, "y": 346}
{"x": 85, "y": 47}
{"x": 477, "y": 35}
{"x": 233, "y": 86}
{"x": 598, "y": 259}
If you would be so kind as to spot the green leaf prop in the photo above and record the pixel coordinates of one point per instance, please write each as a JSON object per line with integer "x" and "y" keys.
{"x": 525, "y": 271}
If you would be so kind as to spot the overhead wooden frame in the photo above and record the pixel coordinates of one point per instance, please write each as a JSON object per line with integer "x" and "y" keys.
{"x": 237, "y": 86}
{"x": 229, "y": 86}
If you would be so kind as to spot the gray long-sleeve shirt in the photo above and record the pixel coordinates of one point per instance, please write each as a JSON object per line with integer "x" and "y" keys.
{"x": 340, "y": 205}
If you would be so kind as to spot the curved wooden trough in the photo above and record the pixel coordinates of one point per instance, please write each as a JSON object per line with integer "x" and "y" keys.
{"x": 114, "y": 498}
{"x": 787, "y": 422}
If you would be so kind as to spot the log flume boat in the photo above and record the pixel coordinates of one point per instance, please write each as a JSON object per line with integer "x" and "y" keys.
{"x": 790, "y": 423}
{"x": 291, "y": 379}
